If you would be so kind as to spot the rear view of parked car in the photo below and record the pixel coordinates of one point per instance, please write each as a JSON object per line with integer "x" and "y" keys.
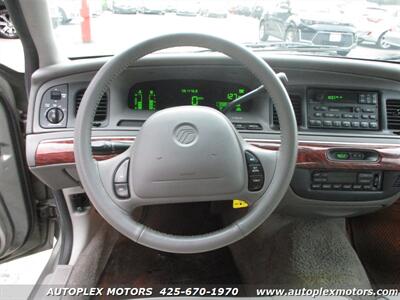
{"x": 310, "y": 22}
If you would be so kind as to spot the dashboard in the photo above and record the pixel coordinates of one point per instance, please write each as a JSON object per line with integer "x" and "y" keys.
{"x": 348, "y": 116}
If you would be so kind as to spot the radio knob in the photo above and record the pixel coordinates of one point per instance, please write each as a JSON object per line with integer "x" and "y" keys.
{"x": 54, "y": 115}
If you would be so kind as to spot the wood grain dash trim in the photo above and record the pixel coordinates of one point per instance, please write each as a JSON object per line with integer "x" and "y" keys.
{"x": 311, "y": 155}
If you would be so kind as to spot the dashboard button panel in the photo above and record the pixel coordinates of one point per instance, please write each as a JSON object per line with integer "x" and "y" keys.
{"x": 54, "y": 107}
{"x": 255, "y": 172}
{"x": 346, "y": 181}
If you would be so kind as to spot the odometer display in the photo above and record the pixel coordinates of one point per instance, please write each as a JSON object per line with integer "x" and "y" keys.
{"x": 160, "y": 94}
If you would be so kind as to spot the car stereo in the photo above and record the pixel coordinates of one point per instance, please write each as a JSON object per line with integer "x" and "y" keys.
{"x": 342, "y": 109}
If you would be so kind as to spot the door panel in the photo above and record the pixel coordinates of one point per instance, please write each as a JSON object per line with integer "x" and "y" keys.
{"x": 19, "y": 226}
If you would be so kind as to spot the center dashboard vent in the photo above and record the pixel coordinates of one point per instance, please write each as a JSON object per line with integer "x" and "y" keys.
{"x": 393, "y": 113}
{"x": 297, "y": 107}
{"x": 102, "y": 108}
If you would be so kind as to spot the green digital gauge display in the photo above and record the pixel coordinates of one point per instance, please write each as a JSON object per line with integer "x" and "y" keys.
{"x": 157, "y": 95}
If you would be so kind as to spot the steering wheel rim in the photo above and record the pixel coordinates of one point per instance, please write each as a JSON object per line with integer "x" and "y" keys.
{"x": 267, "y": 200}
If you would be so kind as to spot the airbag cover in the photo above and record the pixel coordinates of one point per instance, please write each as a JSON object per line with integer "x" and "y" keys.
{"x": 187, "y": 150}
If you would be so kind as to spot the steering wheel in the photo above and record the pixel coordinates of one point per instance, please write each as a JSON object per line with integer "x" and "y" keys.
{"x": 186, "y": 154}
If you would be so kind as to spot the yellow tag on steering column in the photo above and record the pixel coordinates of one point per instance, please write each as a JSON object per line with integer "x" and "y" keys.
{"x": 239, "y": 204}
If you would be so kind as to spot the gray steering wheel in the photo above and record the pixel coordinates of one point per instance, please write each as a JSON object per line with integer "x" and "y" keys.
{"x": 187, "y": 154}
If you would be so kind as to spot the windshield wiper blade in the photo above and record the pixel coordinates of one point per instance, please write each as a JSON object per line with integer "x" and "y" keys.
{"x": 281, "y": 46}
{"x": 298, "y": 46}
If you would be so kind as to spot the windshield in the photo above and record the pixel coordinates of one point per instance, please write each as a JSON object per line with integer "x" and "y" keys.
{"x": 315, "y": 6}
{"x": 366, "y": 29}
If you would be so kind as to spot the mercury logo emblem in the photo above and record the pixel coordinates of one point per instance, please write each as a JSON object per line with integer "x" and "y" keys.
{"x": 185, "y": 134}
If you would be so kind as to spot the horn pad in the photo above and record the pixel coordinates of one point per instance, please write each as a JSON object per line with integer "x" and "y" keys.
{"x": 187, "y": 152}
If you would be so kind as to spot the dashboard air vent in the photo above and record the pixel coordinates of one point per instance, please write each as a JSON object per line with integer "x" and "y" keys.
{"x": 393, "y": 113}
{"x": 296, "y": 102}
{"x": 101, "y": 112}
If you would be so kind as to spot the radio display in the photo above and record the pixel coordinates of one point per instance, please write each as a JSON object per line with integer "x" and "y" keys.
{"x": 333, "y": 96}
{"x": 160, "y": 94}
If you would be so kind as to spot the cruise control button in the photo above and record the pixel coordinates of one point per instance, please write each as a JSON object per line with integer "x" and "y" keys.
{"x": 251, "y": 158}
{"x": 255, "y": 170}
{"x": 121, "y": 190}
{"x": 256, "y": 183}
{"x": 121, "y": 175}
